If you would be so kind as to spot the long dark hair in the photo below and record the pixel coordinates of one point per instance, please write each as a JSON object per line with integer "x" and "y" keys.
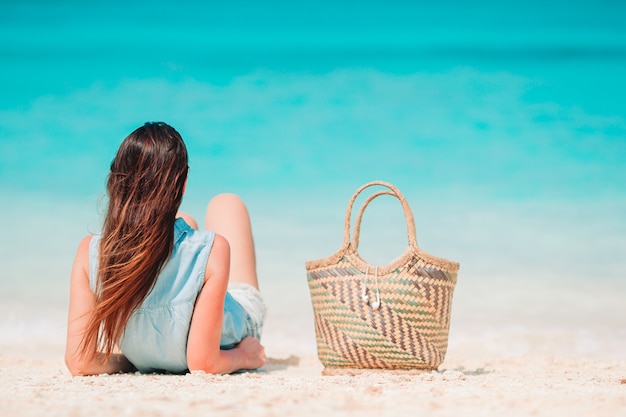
{"x": 145, "y": 188}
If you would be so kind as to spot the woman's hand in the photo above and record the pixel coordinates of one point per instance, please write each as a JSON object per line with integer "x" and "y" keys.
{"x": 252, "y": 352}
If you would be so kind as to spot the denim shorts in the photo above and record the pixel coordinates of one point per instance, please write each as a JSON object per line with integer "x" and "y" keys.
{"x": 245, "y": 316}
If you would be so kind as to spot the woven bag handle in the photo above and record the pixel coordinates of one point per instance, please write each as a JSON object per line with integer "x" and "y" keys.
{"x": 391, "y": 190}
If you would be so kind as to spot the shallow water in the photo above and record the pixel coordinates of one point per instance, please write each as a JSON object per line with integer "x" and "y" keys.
{"x": 504, "y": 126}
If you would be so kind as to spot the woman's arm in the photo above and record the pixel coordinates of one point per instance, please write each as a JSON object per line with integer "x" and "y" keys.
{"x": 203, "y": 345}
{"x": 82, "y": 302}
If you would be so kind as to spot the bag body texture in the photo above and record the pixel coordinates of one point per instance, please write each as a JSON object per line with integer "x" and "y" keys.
{"x": 395, "y": 316}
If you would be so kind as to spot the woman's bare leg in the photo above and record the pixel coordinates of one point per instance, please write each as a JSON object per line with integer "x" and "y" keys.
{"x": 228, "y": 216}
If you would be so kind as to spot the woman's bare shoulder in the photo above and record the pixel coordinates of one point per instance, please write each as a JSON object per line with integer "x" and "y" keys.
{"x": 83, "y": 246}
{"x": 82, "y": 253}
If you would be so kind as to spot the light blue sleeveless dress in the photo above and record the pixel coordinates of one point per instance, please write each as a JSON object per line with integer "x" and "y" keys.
{"x": 155, "y": 338}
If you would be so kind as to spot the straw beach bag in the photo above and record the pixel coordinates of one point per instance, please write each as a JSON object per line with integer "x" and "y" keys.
{"x": 395, "y": 316}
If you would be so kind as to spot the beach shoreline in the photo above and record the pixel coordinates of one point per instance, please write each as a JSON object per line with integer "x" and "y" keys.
{"x": 529, "y": 348}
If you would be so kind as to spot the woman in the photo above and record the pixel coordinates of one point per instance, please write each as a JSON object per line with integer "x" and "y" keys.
{"x": 151, "y": 292}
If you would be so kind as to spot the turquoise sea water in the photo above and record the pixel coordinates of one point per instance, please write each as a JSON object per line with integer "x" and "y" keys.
{"x": 503, "y": 123}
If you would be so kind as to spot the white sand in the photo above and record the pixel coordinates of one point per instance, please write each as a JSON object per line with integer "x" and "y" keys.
{"x": 519, "y": 385}
{"x": 497, "y": 364}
